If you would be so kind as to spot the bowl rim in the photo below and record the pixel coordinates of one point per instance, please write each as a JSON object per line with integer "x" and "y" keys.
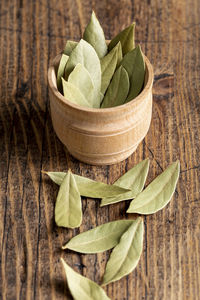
{"x": 53, "y": 86}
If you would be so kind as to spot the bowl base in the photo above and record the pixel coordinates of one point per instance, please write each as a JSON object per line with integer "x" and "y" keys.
{"x": 103, "y": 159}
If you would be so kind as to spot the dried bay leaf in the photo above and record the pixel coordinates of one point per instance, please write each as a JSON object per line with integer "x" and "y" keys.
{"x": 85, "y": 54}
{"x": 68, "y": 209}
{"x": 108, "y": 66}
{"x": 61, "y": 70}
{"x": 70, "y": 45}
{"x": 133, "y": 62}
{"x": 158, "y": 193}
{"x": 127, "y": 39}
{"x": 73, "y": 94}
{"x": 88, "y": 187}
{"x": 81, "y": 287}
{"x": 118, "y": 89}
{"x": 94, "y": 35}
{"x": 134, "y": 179}
{"x": 125, "y": 256}
{"x": 80, "y": 77}
{"x": 99, "y": 239}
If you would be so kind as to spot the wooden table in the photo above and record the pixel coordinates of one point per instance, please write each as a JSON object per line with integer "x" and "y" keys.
{"x": 32, "y": 33}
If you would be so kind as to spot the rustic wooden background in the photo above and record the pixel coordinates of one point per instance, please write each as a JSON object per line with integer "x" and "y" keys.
{"x": 31, "y": 34}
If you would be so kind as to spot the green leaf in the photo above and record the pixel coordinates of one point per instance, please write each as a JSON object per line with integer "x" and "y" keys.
{"x": 99, "y": 239}
{"x": 94, "y": 35}
{"x": 85, "y": 54}
{"x": 70, "y": 45}
{"x": 68, "y": 210}
{"x": 134, "y": 179}
{"x": 81, "y": 287}
{"x": 158, "y": 193}
{"x": 119, "y": 54}
{"x": 108, "y": 66}
{"x": 88, "y": 187}
{"x": 80, "y": 77}
{"x": 125, "y": 256}
{"x": 127, "y": 39}
{"x": 61, "y": 69}
{"x": 73, "y": 94}
{"x": 118, "y": 89}
{"x": 133, "y": 62}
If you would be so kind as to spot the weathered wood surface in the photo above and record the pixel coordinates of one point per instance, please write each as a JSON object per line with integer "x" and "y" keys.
{"x": 33, "y": 32}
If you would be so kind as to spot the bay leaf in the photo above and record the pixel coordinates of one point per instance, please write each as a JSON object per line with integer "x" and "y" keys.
{"x": 85, "y": 54}
{"x": 88, "y": 187}
{"x": 127, "y": 39}
{"x": 80, "y": 77}
{"x": 73, "y": 94}
{"x": 99, "y": 239}
{"x": 61, "y": 69}
{"x": 70, "y": 45}
{"x": 81, "y": 287}
{"x": 134, "y": 64}
{"x": 108, "y": 66}
{"x": 118, "y": 89}
{"x": 94, "y": 35}
{"x": 134, "y": 179}
{"x": 158, "y": 193}
{"x": 68, "y": 209}
{"x": 125, "y": 256}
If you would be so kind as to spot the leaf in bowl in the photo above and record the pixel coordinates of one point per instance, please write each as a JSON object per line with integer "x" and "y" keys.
{"x": 127, "y": 39}
{"x": 61, "y": 70}
{"x": 73, "y": 94}
{"x": 118, "y": 89}
{"x": 134, "y": 64}
{"x": 108, "y": 66}
{"x": 85, "y": 54}
{"x": 80, "y": 77}
{"x": 94, "y": 35}
{"x": 70, "y": 45}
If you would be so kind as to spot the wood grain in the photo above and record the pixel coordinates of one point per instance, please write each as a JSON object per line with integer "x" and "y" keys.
{"x": 31, "y": 34}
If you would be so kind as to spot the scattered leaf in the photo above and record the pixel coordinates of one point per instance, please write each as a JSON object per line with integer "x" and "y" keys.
{"x": 88, "y": 187}
{"x": 94, "y": 35}
{"x": 99, "y": 239}
{"x": 73, "y": 94}
{"x": 81, "y": 287}
{"x": 125, "y": 256}
{"x": 61, "y": 69}
{"x": 134, "y": 179}
{"x": 80, "y": 77}
{"x": 158, "y": 193}
{"x": 133, "y": 62}
{"x": 70, "y": 45}
{"x": 108, "y": 66}
{"x": 85, "y": 54}
{"x": 118, "y": 89}
{"x": 127, "y": 39}
{"x": 68, "y": 210}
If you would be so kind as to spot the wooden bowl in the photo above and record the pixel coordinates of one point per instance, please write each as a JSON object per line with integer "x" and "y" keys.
{"x": 101, "y": 136}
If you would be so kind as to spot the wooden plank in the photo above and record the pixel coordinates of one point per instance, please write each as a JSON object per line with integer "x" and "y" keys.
{"x": 32, "y": 33}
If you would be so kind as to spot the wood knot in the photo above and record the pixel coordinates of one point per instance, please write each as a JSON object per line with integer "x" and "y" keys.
{"x": 163, "y": 87}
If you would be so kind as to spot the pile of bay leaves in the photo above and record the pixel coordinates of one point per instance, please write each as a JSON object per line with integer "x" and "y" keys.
{"x": 94, "y": 74}
{"x": 125, "y": 236}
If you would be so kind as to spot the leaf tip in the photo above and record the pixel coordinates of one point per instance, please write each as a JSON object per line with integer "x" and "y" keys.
{"x": 64, "y": 247}
{"x": 44, "y": 172}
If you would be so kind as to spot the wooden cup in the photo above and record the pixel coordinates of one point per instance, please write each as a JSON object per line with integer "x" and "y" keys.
{"x": 101, "y": 136}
